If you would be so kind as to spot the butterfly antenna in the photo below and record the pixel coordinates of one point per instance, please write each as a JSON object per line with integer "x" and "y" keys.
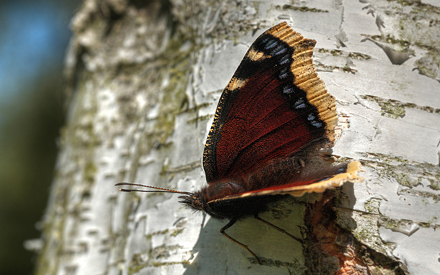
{"x": 157, "y": 189}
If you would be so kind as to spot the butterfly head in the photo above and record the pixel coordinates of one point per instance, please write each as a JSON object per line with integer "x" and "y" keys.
{"x": 193, "y": 200}
{"x": 198, "y": 202}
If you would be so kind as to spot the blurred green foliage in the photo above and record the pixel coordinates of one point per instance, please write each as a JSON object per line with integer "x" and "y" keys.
{"x": 31, "y": 114}
{"x": 28, "y": 135}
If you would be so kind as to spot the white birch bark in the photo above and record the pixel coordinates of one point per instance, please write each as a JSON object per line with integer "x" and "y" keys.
{"x": 145, "y": 79}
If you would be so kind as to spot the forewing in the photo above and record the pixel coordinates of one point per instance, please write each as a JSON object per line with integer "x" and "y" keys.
{"x": 274, "y": 106}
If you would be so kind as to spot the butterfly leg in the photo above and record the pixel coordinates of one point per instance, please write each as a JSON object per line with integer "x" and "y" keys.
{"x": 277, "y": 228}
{"x": 231, "y": 223}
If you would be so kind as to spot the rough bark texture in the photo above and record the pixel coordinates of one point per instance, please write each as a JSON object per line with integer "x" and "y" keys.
{"x": 144, "y": 79}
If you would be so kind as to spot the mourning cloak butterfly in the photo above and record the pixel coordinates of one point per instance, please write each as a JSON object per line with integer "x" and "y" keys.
{"x": 273, "y": 126}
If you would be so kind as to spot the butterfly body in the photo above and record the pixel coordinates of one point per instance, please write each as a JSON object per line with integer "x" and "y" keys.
{"x": 244, "y": 196}
{"x": 226, "y": 209}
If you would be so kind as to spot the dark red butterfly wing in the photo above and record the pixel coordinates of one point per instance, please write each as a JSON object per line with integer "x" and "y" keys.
{"x": 273, "y": 107}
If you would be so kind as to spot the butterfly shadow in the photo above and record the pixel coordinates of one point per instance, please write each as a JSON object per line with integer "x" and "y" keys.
{"x": 214, "y": 253}
{"x": 217, "y": 254}
{"x": 345, "y": 207}
{"x": 348, "y": 192}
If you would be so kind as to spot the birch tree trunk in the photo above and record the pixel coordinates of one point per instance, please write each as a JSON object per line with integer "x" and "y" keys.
{"x": 144, "y": 79}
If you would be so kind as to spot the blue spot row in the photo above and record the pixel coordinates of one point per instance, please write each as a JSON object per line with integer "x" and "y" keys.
{"x": 299, "y": 102}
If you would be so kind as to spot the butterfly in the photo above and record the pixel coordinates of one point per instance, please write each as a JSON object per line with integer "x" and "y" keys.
{"x": 271, "y": 136}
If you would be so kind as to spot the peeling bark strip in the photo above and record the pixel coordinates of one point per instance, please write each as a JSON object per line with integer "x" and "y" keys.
{"x": 145, "y": 77}
{"x": 331, "y": 249}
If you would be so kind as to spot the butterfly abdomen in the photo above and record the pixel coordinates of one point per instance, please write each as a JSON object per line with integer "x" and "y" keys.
{"x": 239, "y": 207}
